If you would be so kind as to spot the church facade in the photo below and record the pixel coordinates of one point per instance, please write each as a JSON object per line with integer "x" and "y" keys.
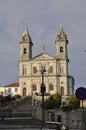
{"x": 56, "y": 77}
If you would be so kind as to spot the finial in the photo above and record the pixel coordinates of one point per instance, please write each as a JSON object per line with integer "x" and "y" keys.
{"x": 61, "y": 27}
{"x": 43, "y": 49}
{"x": 25, "y": 31}
{"x": 61, "y": 31}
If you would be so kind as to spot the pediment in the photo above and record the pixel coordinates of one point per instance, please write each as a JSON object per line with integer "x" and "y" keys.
{"x": 44, "y": 56}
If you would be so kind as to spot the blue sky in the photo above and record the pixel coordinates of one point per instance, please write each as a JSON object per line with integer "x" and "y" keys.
{"x": 43, "y": 18}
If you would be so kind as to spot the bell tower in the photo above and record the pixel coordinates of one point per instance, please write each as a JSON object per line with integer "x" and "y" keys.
{"x": 25, "y": 46}
{"x": 25, "y": 55}
{"x": 61, "y": 44}
{"x": 62, "y": 61}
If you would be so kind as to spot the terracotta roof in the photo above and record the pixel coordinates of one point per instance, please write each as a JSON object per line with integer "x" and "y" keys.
{"x": 16, "y": 84}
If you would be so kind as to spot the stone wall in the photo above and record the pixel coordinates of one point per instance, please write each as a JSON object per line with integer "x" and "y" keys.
{"x": 71, "y": 119}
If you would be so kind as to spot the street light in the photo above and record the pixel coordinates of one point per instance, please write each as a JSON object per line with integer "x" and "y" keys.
{"x": 43, "y": 89}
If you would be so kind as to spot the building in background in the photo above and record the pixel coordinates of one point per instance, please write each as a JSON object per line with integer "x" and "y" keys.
{"x": 1, "y": 90}
{"x": 10, "y": 89}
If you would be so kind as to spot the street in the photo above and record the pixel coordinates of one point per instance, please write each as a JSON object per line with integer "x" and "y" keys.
{"x": 32, "y": 129}
{"x": 23, "y": 129}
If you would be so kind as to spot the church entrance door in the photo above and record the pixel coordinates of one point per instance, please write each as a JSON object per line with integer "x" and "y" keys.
{"x": 24, "y": 91}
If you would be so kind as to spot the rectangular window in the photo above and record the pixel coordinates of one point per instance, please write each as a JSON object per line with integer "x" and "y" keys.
{"x": 59, "y": 118}
{"x": 51, "y": 116}
{"x": 16, "y": 89}
{"x": 9, "y": 89}
{"x": 6, "y": 92}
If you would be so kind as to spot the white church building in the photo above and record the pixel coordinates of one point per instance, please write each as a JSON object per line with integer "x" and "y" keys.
{"x": 56, "y": 77}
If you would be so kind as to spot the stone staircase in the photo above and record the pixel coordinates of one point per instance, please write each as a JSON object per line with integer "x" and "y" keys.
{"x": 23, "y": 109}
{"x": 20, "y": 113}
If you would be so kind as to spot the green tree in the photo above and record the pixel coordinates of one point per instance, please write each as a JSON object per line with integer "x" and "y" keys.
{"x": 49, "y": 104}
{"x": 56, "y": 97}
{"x": 57, "y": 100}
{"x": 73, "y": 102}
{"x": 53, "y": 102}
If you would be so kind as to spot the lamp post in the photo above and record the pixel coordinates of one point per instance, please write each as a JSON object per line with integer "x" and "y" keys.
{"x": 42, "y": 91}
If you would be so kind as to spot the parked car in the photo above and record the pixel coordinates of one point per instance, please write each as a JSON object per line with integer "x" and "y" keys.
{"x": 53, "y": 126}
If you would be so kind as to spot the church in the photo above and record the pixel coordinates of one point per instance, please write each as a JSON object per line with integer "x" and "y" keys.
{"x": 56, "y": 77}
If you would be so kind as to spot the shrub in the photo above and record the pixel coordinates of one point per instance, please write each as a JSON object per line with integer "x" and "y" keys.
{"x": 17, "y": 96}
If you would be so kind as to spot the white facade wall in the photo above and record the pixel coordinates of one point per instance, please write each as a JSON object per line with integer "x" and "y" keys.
{"x": 11, "y": 91}
{"x": 1, "y": 90}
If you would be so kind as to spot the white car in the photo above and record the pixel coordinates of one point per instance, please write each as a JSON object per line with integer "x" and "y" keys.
{"x": 53, "y": 126}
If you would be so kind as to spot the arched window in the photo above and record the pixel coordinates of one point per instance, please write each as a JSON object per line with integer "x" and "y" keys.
{"x": 62, "y": 91}
{"x": 51, "y": 87}
{"x": 61, "y": 49}
{"x": 25, "y": 50}
{"x": 34, "y": 87}
{"x": 51, "y": 69}
{"x": 43, "y": 68}
{"x": 34, "y": 69}
{"x": 24, "y": 91}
